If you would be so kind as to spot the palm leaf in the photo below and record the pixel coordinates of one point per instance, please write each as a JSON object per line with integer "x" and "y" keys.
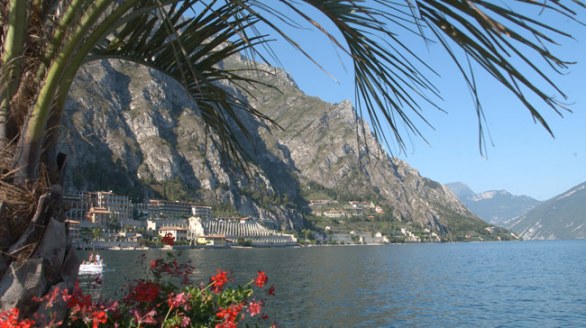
{"x": 392, "y": 84}
{"x": 189, "y": 48}
{"x": 498, "y": 38}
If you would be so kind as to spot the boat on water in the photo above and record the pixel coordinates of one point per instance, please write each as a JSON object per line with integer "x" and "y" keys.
{"x": 95, "y": 265}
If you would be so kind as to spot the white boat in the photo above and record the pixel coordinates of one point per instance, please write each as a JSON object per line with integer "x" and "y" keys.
{"x": 91, "y": 268}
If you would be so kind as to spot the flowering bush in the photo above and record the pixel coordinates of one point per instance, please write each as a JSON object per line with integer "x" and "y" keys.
{"x": 9, "y": 318}
{"x": 159, "y": 301}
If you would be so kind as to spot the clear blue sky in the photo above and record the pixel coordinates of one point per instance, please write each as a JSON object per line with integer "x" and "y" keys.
{"x": 524, "y": 160}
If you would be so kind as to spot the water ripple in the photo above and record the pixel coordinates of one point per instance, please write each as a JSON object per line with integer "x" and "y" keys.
{"x": 514, "y": 284}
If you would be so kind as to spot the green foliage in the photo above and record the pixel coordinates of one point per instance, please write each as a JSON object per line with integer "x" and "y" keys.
{"x": 465, "y": 228}
{"x": 224, "y": 210}
{"x": 266, "y": 198}
{"x": 174, "y": 190}
{"x": 103, "y": 174}
{"x": 307, "y": 234}
{"x": 96, "y": 233}
{"x": 86, "y": 235}
{"x": 313, "y": 191}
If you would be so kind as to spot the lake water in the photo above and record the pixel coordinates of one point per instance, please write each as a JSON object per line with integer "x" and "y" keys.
{"x": 495, "y": 284}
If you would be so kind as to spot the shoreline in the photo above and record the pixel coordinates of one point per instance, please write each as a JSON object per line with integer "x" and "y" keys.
{"x": 182, "y": 247}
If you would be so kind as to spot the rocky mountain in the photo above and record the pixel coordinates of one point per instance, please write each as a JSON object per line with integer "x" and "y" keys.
{"x": 133, "y": 131}
{"x": 561, "y": 217}
{"x": 461, "y": 190}
{"x": 494, "y": 206}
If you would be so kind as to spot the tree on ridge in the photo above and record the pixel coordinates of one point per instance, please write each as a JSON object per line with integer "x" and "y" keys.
{"x": 45, "y": 42}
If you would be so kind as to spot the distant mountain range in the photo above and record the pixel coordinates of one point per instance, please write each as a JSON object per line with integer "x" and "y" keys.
{"x": 494, "y": 206}
{"x": 561, "y": 217}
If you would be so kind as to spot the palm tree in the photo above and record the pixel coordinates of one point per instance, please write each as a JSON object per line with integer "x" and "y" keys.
{"x": 45, "y": 42}
{"x": 96, "y": 234}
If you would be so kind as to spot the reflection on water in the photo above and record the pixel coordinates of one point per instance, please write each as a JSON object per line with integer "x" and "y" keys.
{"x": 92, "y": 284}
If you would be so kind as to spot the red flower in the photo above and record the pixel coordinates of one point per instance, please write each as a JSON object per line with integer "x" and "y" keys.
{"x": 254, "y": 308}
{"x": 113, "y": 310}
{"x": 261, "y": 279}
{"x": 50, "y": 297}
{"x": 98, "y": 317}
{"x": 179, "y": 300}
{"x": 154, "y": 264}
{"x": 144, "y": 291}
{"x": 229, "y": 316}
{"x": 9, "y": 319}
{"x": 77, "y": 301}
{"x": 218, "y": 281}
{"x": 226, "y": 324}
{"x": 185, "y": 321}
{"x": 271, "y": 291}
{"x": 148, "y": 318}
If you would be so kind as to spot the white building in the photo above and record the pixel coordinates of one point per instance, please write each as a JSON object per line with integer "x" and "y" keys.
{"x": 233, "y": 229}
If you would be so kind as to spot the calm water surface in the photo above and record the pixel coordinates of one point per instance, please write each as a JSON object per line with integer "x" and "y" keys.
{"x": 508, "y": 284}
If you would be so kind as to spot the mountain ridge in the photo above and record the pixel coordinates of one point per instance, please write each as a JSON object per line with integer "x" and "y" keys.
{"x": 134, "y": 131}
{"x": 560, "y": 217}
{"x": 494, "y": 206}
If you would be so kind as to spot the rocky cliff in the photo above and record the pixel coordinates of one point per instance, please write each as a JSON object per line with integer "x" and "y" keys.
{"x": 134, "y": 131}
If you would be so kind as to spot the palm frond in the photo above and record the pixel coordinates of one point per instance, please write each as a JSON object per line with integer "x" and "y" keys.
{"x": 391, "y": 80}
{"x": 393, "y": 83}
{"x": 187, "y": 40}
{"x": 190, "y": 48}
{"x": 505, "y": 43}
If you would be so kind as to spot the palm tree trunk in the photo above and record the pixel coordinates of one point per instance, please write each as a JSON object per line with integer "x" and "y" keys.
{"x": 40, "y": 261}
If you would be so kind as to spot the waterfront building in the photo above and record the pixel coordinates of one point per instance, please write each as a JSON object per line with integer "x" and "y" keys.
{"x": 234, "y": 229}
{"x": 119, "y": 206}
{"x": 155, "y": 224}
{"x": 169, "y": 209}
{"x": 99, "y": 216}
{"x": 178, "y": 233}
{"x": 213, "y": 240}
{"x": 75, "y": 208}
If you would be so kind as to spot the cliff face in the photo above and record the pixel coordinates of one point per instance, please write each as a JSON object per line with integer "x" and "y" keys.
{"x": 133, "y": 131}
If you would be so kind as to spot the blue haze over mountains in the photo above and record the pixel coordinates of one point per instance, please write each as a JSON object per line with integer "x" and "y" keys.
{"x": 493, "y": 206}
{"x": 561, "y": 217}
